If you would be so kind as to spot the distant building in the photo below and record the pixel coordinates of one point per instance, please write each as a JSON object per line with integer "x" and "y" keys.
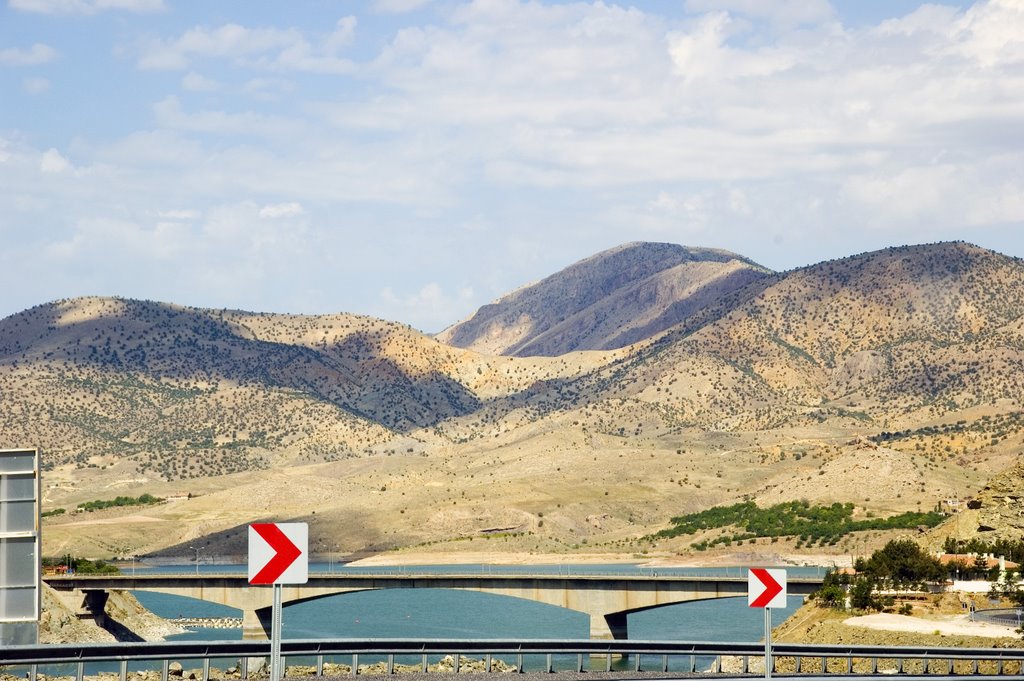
{"x": 179, "y": 496}
{"x": 976, "y": 565}
{"x": 951, "y": 505}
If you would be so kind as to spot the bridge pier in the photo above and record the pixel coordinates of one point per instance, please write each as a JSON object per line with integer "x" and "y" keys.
{"x": 608, "y": 626}
{"x": 86, "y": 603}
{"x": 256, "y": 624}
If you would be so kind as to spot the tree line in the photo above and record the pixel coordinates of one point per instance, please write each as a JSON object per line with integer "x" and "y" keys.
{"x": 811, "y": 523}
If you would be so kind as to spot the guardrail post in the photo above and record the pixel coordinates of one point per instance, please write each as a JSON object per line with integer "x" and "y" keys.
{"x": 243, "y": 667}
{"x": 423, "y": 663}
{"x": 391, "y": 663}
{"x": 924, "y": 662}
{"x": 579, "y": 662}
{"x": 637, "y": 668}
{"x": 122, "y": 671}
{"x": 693, "y": 664}
{"x": 487, "y": 662}
{"x": 849, "y": 664}
{"x": 664, "y": 663}
{"x": 608, "y": 661}
{"x": 746, "y": 664}
{"x": 355, "y": 663}
{"x": 458, "y": 662}
{"x": 206, "y": 669}
{"x": 974, "y": 666}
{"x": 33, "y": 672}
{"x": 797, "y": 663}
{"x": 824, "y": 665}
{"x": 550, "y": 666}
{"x": 319, "y": 665}
{"x": 80, "y": 672}
{"x": 874, "y": 665}
{"x": 519, "y": 662}
{"x": 999, "y": 667}
{"x": 899, "y": 667}
{"x": 165, "y": 669}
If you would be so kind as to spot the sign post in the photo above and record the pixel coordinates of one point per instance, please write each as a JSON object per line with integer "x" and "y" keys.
{"x": 766, "y": 589}
{"x": 278, "y": 554}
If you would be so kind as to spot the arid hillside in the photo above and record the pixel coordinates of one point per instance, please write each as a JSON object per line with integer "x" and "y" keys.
{"x": 891, "y": 380}
{"x": 610, "y": 300}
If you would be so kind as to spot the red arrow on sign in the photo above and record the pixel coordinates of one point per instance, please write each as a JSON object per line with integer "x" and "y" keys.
{"x": 771, "y": 588}
{"x": 286, "y": 553}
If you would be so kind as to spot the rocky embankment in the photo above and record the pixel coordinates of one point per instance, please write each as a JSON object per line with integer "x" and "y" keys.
{"x": 815, "y": 624}
{"x": 1000, "y": 505}
{"x": 126, "y": 620}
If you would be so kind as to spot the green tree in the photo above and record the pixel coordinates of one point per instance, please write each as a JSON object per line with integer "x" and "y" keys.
{"x": 862, "y": 594}
{"x": 903, "y": 563}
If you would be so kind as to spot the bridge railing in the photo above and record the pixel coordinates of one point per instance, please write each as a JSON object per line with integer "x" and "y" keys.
{"x": 384, "y": 656}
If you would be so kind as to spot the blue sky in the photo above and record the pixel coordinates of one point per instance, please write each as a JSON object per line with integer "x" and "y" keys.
{"x": 415, "y": 159}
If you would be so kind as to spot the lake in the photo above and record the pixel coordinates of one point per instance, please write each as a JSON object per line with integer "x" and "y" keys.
{"x": 438, "y": 613}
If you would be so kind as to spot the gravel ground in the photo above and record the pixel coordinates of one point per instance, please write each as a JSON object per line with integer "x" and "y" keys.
{"x": 511, "y": 676}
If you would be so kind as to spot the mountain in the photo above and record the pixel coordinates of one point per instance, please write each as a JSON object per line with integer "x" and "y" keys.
{"x": 890, "y": 380}
{"x": 609, "y": 300}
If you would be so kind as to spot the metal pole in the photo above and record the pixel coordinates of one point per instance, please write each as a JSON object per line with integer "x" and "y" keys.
{"x": 275, "y": 636}
{"x": 767, "y": 644}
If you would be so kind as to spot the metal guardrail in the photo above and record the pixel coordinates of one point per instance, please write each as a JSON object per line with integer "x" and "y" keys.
{"x": 731, "y": 659}
{"x": 1006, "y": 617}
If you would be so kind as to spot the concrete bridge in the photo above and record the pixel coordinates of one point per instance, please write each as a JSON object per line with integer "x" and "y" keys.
{"x": 606, "y": 599}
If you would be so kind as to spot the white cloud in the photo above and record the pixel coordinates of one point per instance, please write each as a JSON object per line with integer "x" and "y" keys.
{"x": 228, "y": 41}
{"x": 260, "y": 48}
{"x": 37, "y": 54}
{"x": 280, "y": 210}
{"x": 131, "y": 5}
{"x": 991, "y": 33}
{"x": 53, "y": 162}
{"x": 194, "y": 82}
{"x": 35, "y": 86}
{"x": 786, "y": 13}
{"x": 703, "y": 53}
{"x": 179, "y": 214}
{"x": 397, "y": 6}
{"x": 169, "y": 114}
{"x": 85, "y": 6}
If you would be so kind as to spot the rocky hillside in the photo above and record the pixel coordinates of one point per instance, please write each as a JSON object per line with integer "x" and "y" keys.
{"x": 125, "y": 620}
{"x": 895, "y": 337}
{"x": 903, "y": 366}
{"x": 609, "y": 300}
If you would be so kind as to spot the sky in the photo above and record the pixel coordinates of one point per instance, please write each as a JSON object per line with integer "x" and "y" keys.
{"x": 416, "y": 159}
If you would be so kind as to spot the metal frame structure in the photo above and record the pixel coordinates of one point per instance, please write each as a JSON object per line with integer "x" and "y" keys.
{"x": 20, "y": 546}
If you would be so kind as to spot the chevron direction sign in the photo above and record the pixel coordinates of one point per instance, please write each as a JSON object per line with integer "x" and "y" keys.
{"x": 766, "y": 588}
{"x": 278, "y": 553}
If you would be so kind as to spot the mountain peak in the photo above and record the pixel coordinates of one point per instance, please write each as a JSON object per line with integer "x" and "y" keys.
{"x": 612, "y": 299}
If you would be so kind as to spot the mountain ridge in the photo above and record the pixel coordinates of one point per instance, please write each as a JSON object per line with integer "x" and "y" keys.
{"x": 791, "y": 386}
